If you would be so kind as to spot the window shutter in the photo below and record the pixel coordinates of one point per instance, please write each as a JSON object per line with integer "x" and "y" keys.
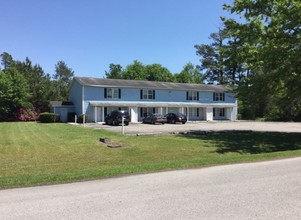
{"x": 154, "y": 94}
{"x": 141, "y": 94}
{"x": 105, "y": 111}
{"x": 186, "y": 95}
{"x": 198, "y": 96}
{"x": 223, "y": 96}
{"x": 154, "y": 110}
{"x": 119, "y": 93}
{"x": 141, "y": 112}
{"x": 197, "y": 112}
{"x": 214, "y": 96}
{"x": 105, "y": 93}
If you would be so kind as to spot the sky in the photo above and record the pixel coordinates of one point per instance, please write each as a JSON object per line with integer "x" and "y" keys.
{"x": 89, "y": 35}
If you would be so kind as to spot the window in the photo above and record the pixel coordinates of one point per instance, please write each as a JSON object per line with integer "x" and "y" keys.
{"x": 219, "y": 112}
{"x": 112, "y": 93}
{"x": 147, "y": 94}
{"x": 192, "y": 95}
{"x": 218, "y": 96}
{"x": 147, "y": 111}
{"x": 194, "y": 112}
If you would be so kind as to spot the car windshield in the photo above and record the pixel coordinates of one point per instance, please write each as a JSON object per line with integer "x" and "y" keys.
{"x": 180, "y": 115}
{"x": 157, "y": 115}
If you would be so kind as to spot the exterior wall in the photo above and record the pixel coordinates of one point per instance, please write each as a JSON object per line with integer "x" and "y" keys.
{"x": 131, "y": 94}
{"x": 63, "y": 111}
{"x": 76, "y": 96}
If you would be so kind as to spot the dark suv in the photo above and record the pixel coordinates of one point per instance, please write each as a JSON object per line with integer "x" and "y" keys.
{"x": 176, "y": 117}
{"x": 115, "y": 117}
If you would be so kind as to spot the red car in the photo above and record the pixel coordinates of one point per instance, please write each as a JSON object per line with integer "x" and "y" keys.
{"x": 155, "y": 118}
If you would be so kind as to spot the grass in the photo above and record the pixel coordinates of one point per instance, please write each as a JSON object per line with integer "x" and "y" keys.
{"x": 37, "y": 154}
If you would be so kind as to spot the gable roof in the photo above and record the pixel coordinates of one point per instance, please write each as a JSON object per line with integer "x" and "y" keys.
{"x": 100, "y": 82}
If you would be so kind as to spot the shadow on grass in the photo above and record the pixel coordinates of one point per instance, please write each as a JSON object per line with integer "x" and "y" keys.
{"x": 251, "y": 142}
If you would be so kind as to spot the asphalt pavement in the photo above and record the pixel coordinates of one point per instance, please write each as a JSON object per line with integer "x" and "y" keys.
{"x": 201, "y": 126}
{"x": 262, "y": 190}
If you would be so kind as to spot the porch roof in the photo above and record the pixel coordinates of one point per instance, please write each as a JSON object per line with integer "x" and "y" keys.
{"x": 160, "y": 104}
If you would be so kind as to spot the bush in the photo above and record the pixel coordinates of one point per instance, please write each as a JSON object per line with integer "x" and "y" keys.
{"x": 28, "y": 114}
{"x": 71, "y": 116}
{"x": 47, "y": 117}
{"x": 81, "y": 117}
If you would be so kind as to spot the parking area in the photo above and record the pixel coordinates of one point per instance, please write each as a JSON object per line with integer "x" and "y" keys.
{"x": 203, "y": 126}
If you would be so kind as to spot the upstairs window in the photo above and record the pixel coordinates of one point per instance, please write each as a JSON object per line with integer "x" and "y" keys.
{"x": 192, "y": 95}
{"x": 147, "y": 94}
{"x": 218, "y": 96}
{"x": 112, "y": 93}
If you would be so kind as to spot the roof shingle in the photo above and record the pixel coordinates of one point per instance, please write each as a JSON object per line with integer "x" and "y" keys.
{"x": 90, "y": 81}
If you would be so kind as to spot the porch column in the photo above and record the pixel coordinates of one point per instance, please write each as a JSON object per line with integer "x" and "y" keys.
{"x": 182, "y": 110}
{"x": 102, "y": 113}
{"x": 209, "y": 114}
{"x": 95, "y": 114}
{"x": 160, "y": 110}
{"x": 187, "y": 113}
{"x": 134, "y": 114}
{"x": 228, "y": 113}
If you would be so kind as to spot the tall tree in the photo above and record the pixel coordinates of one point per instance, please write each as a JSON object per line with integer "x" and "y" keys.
{"x": 156, "y": 72}
{"x": 270, "y": 32}
{"x": 212, "y": 63}
{"x": 115, "y": 72}
{"x": 189, "y": 74}
{"x": 35, "y": 76}
{"x": 6, "y": 60}
{"x": 63, "y": 76}
{"x": 14, "y": 93}
{"x": 134, "y": 71}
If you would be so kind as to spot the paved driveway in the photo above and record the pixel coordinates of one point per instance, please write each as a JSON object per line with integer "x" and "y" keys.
{"x": 265, "y": 190}
{"x": 145, "y": 129}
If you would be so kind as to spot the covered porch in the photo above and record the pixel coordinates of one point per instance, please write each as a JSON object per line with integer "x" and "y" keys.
{"x": 138, "y": 110}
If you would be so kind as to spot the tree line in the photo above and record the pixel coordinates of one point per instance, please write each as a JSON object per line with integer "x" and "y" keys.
{"x": 256, "y": 52}
{"x": 25, "y": 89}
{"x": 154, "y": 72}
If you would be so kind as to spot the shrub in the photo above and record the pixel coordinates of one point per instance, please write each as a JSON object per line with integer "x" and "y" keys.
{"x": 71, "y": 116}
{"x": 81, "y": 117}
{"x": 28, "y": 114}
{"x": 47, "y": 117}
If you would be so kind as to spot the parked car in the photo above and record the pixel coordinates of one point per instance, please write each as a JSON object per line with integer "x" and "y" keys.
{"x": 115, "y": 117}
{"x": 154, "y": 118}
{"x": 176, "y": 117}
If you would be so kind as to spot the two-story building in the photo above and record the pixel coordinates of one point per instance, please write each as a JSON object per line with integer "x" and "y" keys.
{"x": 97, "y": 97}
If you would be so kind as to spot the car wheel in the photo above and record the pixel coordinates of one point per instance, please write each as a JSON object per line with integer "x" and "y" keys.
{"x": 126, "y": 123}
{"x": 173, "y": 121}
{"x": 183, "y": 122}
{"x": 153, "y": 122}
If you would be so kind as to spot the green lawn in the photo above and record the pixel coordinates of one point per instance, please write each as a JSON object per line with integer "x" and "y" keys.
{"x": 36, "y": 153}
